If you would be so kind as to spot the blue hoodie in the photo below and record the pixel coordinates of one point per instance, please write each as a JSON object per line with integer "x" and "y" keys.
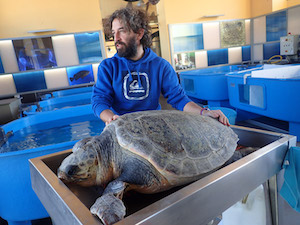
{"x": 126, "y": 86}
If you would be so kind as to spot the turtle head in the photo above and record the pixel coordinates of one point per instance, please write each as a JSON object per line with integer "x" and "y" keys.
{"x": 80, "y": 166}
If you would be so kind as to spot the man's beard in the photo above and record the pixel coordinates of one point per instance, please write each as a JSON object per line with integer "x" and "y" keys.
{"x": 128, "y": 51}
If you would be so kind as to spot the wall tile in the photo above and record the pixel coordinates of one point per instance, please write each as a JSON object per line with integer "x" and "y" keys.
{"x": 259, "y": 26}
{"x": 216, "y": 57}
{"x": 232, "y": 33}
{"x": 201, "y": 59}
{"x": 293, "y": 16}
{"x": 88, "y": 47}
{"x": 95, "y": 70}
{"x": 258, "y": 53}
{"x": 56, "y": 78}
{"x": 7, "y": 85}
{"x": 1, "y": 66}
{"x": 187, "y": 37}
{"x": 34, "y": 53}
{"x": 186, "y": 29}
{"x": 234, "y": 55}
{"x": 30, "y": 81}
{"x": 211, "y": 35}
{"x": 65, "y": 50}
{"x": 8, "y": 56}
{"x": 248, "y": 31}
{"x": 80, "y": 74}
{"x": 183, "y": 44}
{"x": 246, "y": 53}
{"x": 276, "y": 26}
{"x": 185, "y": 60}
{"x": 271, "y": 49}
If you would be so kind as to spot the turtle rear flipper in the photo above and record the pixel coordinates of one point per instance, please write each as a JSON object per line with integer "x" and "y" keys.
{"x": 109, "y": 209}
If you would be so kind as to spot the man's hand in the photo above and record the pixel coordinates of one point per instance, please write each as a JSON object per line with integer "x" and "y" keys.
{"x": 111, "y": 119}
{"x": 107, "y": 116}
{"x": 218, "y": 114}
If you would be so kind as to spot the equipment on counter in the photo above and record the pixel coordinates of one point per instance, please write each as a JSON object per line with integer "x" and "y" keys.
{"x": 289, "y": 47}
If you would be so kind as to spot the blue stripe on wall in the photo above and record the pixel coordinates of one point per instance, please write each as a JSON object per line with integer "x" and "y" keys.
{"x": 1, "y": 66}
{"x": 30, "y": 81}
{"x": 246, "y": 53}
{"x": 271, "y": 49}
{"x": 216, "y": 57}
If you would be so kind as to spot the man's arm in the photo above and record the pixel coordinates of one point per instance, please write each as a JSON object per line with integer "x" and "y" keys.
{"x": 193, "y": 107}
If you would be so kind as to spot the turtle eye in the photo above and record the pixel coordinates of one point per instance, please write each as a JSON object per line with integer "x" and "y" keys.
{"x": 90, "y": 162}
{"x": 72, "y": 169}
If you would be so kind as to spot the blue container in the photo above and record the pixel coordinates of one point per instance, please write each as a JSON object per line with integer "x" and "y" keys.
{"x": 67, "y": 92}
{"x": 18, "y": 202}
{"x": 59, "y": 103}
{"x": 209, "y": 84}
{"x": 274, "y": 98}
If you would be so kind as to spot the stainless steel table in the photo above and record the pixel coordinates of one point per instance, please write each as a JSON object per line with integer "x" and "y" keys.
{"x": 196, "y": 203}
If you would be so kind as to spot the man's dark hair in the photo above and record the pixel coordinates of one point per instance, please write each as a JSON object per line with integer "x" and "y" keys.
{"x": 133, "y": 19}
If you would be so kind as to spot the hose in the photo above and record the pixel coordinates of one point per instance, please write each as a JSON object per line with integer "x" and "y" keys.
{"x": 274, "y": 56}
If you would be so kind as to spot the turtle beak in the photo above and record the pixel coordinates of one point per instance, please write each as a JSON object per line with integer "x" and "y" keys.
{"x": 68, "y": 173}
{"x": 62, "y": 175}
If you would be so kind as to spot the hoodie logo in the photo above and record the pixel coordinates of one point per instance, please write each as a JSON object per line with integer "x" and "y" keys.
{"x": 136, "y": 86}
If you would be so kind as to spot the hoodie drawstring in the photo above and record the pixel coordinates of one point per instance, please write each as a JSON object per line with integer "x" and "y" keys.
{"x": 138, "y": 73}
{"x": 130, "y": 76}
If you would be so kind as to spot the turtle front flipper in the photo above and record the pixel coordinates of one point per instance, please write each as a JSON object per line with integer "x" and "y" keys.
{"x": 109, "y": 207}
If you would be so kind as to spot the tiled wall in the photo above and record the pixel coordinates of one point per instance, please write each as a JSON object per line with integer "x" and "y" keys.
{"x": 202, "y": 44}
{"x": 77, "y": 57}
{"x": 269, "y": 28}
{"x": 198, "y": 45}
{"x": 11, "y": 84}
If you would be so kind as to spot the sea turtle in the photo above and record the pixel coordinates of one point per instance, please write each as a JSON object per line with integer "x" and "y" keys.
{"x": 148, "y": 151}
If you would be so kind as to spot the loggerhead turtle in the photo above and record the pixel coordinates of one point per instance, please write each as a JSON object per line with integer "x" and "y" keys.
{"x": 148, "y": 151}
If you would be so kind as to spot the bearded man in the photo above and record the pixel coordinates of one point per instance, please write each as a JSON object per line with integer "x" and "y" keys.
{"x": 135, "y": 77}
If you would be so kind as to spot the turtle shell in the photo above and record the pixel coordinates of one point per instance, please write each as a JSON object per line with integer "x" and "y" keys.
{"x": 176, "y": 143}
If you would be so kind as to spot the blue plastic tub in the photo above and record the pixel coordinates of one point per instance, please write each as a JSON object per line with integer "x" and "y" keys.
{"x": 274, "y": 98}
{"x": 67, "y": 92}
{"x": 18, "y": 202}
{"x": 59, "y": 103}
{"x": 209, "y": 84}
